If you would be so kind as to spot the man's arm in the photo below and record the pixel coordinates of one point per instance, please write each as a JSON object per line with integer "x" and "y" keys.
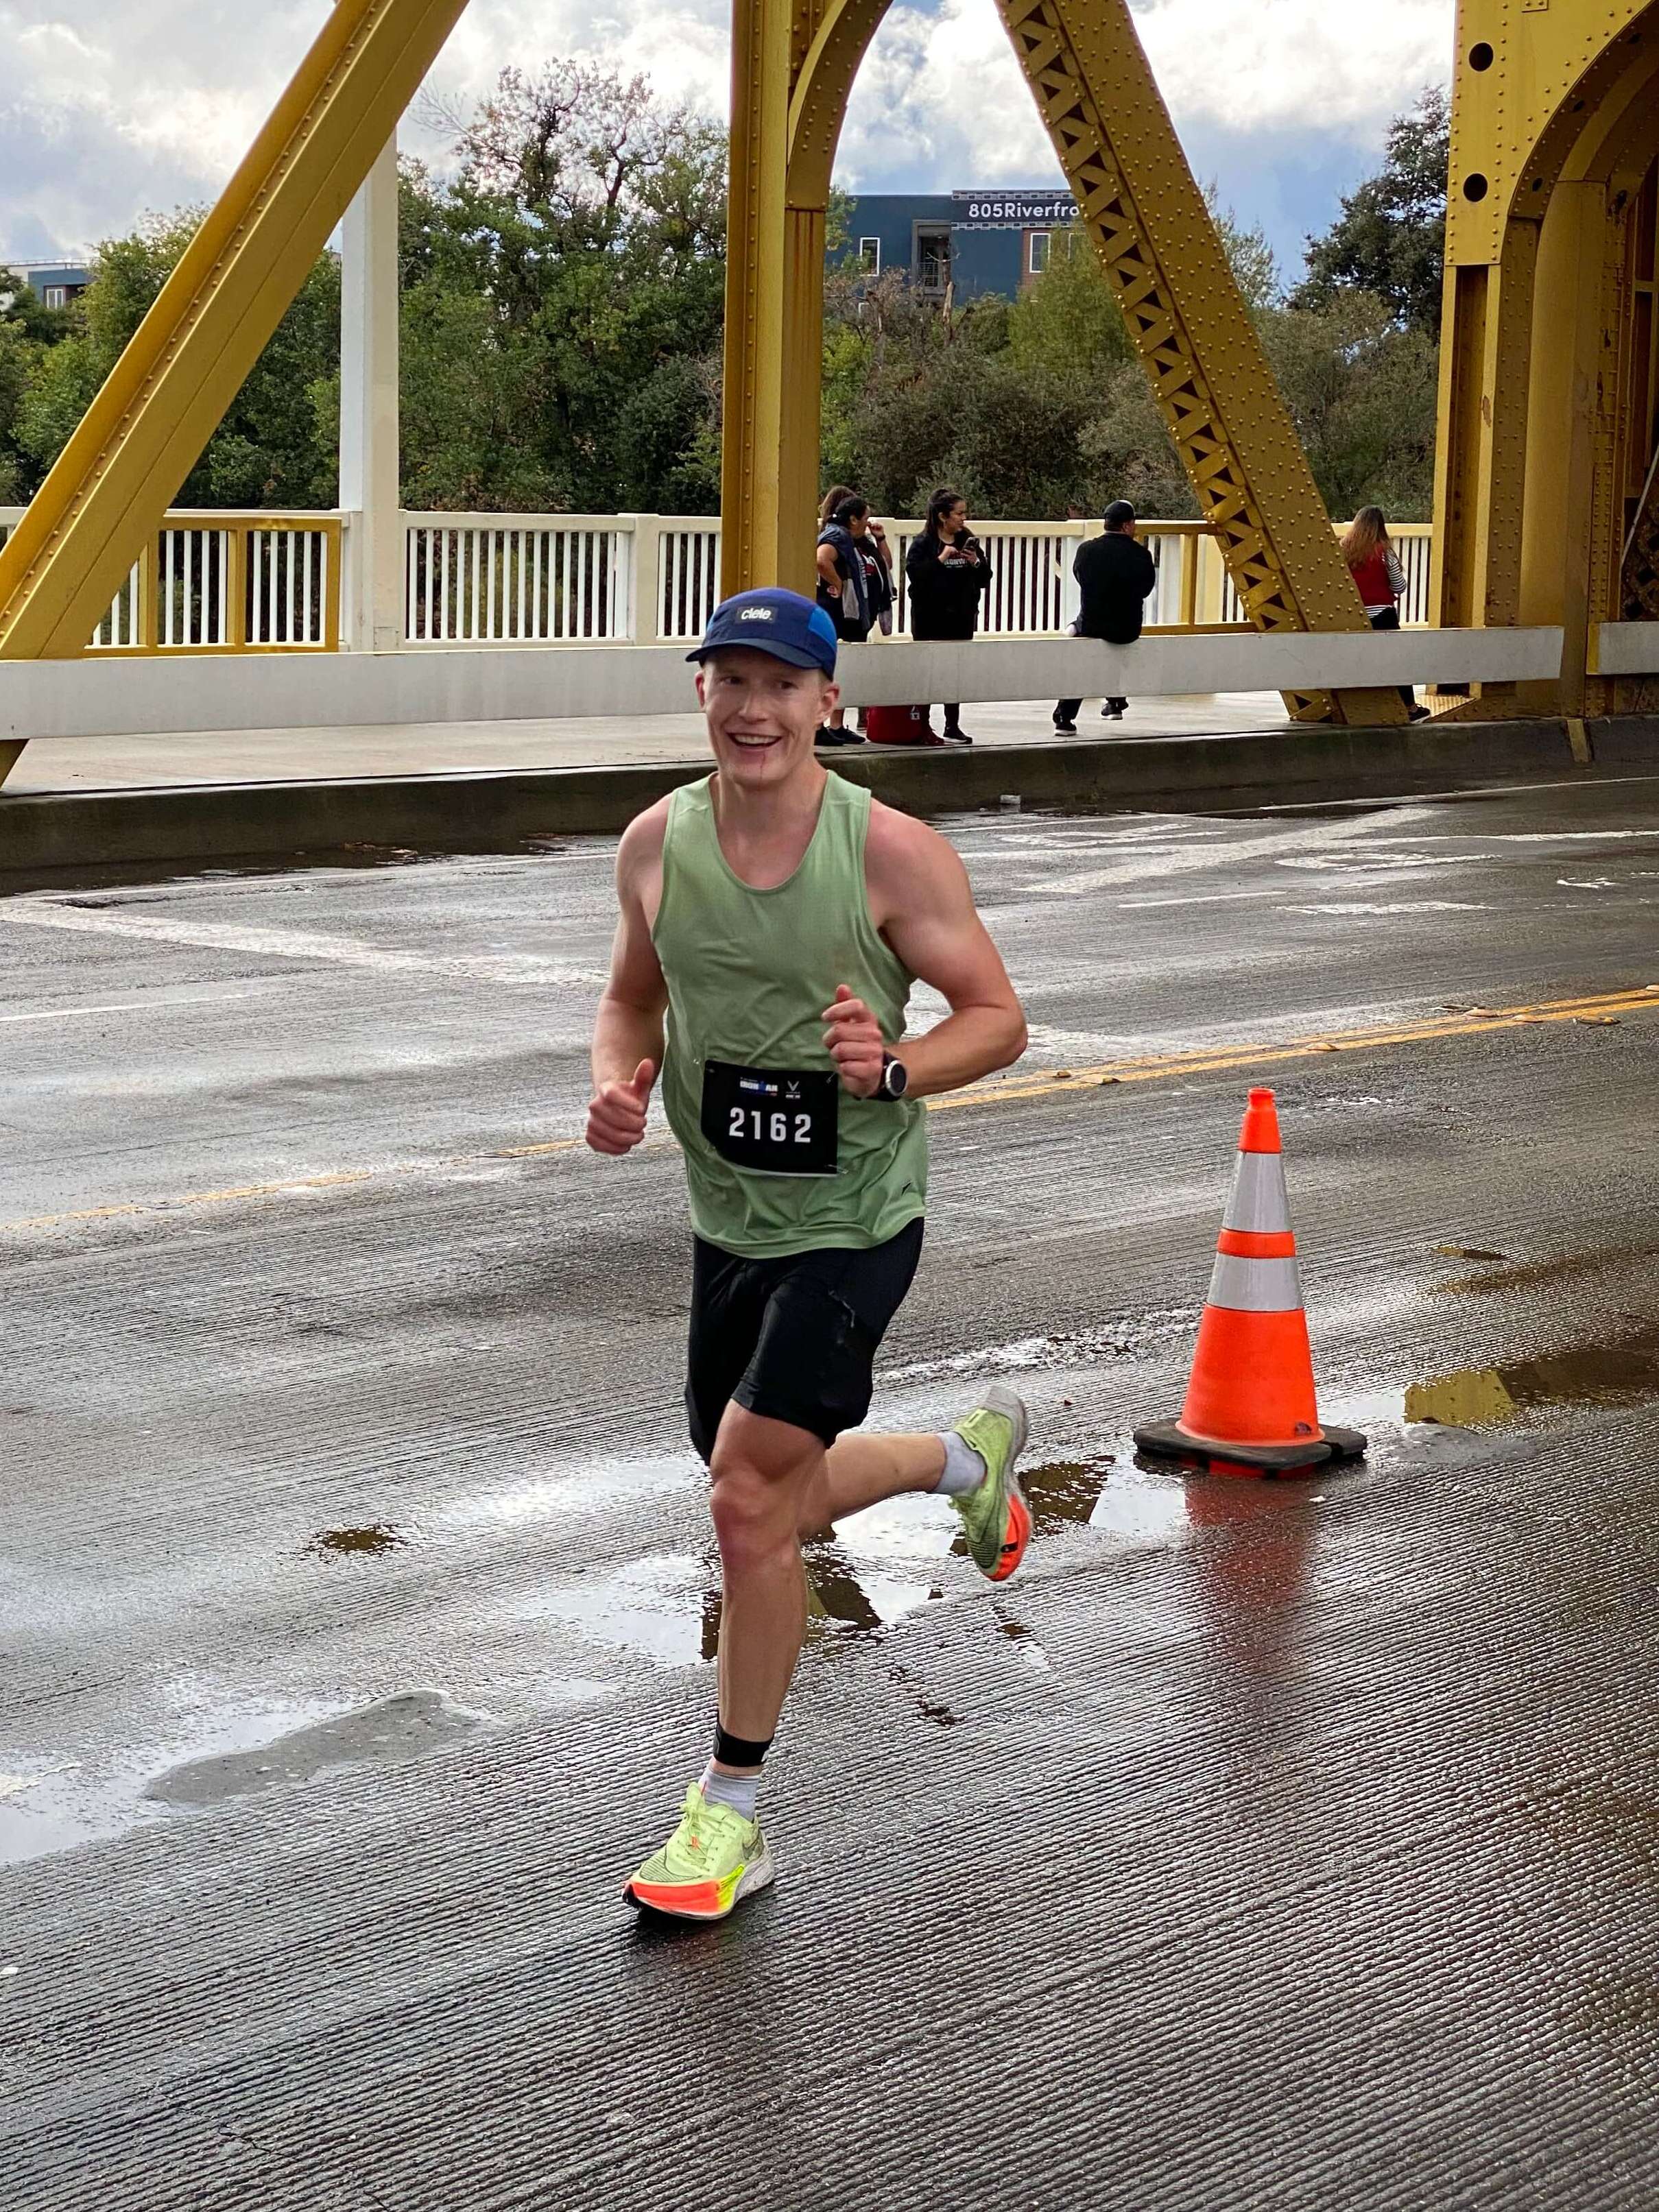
{"x": 628, "y": 1031}
{"x": 920, "y": 900}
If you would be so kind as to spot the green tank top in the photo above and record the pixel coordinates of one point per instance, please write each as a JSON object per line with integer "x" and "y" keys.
{"x": 749, "y": 974}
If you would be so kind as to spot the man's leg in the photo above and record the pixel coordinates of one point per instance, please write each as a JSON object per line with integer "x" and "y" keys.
{"x": 775, "y": 1478}
{"x": 763, "y": 1471}
{"x": 862, "y": 1470}
{"x": 716, "y": 1855}
{"x": 972, "y": 1463}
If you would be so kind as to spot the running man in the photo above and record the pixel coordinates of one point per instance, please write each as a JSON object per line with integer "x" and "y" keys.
{"x": 773, "y": 918}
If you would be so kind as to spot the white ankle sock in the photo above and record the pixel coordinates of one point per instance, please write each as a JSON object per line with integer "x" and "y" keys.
{"x": 964, "y": 1470}
{"x": 739, "y": 1791}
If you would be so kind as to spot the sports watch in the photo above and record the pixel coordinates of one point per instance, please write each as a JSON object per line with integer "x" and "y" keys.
{"x": 895, "y": 1080}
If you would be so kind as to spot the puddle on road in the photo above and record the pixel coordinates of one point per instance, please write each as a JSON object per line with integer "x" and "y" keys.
{"x": 405, "y": 1726}
{"x": 1621, "y": 1371}
{"x": 890, "y": 1561}
{"x": 371, "y": 1542}
{"x": 56, "y": 1805}
{"x": 665, "y": 1608}
{"x": 1113, "y": 1491}
{"x": 1611, "y": 1374}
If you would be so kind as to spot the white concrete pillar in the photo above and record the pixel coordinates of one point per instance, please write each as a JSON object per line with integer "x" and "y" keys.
{"x": 645, "y": 578}
{"x": 373, "y": 608}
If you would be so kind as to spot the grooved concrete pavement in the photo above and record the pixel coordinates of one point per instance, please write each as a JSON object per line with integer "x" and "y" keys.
{"x": 1285, "y": 1846}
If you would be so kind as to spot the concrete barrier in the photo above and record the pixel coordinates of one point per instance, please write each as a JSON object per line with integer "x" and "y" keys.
{"x": 1624, "y": 649}
{"x": 473, "y": 813}
{"x": 177, "y": 694}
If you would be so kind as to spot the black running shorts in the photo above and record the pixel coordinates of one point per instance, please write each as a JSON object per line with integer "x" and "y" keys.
{"x": 792, "y": 1339}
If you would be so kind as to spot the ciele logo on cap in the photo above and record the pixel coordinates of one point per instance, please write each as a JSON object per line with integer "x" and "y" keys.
{"x": 756, "y": 614}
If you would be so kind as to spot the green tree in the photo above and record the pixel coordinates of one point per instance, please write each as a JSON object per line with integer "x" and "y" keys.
{"x": 273, "y": 448}
{"x": 563, "y": 301}
{"x": 28, "y": 330}
{"x": 1390, "y": 238}
{"x": 1362, "y": 393}
{"x": 1066, "y": 322}
{"x": 22, "y": 309}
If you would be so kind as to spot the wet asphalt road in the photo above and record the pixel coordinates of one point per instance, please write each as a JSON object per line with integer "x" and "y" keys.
{"x": 1287, "y": 1845}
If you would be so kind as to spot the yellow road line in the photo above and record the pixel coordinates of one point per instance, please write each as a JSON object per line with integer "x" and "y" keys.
{"x": 1159, "y": 1067}
{"x": 1154, "y": 1069}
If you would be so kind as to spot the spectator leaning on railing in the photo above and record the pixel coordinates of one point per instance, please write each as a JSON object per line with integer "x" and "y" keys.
{"x": 949, "y": 577}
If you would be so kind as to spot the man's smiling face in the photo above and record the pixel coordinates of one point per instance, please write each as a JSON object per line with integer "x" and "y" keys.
{"x": 762, "y": 714}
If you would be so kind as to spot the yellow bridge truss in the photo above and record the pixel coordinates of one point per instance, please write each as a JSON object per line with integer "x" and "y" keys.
{"x": 1556, "y": 126}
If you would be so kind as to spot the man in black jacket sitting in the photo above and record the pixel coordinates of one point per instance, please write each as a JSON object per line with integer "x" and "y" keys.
{"x": 1116, "y": 573}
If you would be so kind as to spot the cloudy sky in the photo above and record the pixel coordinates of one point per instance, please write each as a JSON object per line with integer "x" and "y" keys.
{"x": 114, "y": 106}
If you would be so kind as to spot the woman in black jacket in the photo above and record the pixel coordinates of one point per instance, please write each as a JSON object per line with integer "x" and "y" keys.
{"x": 949, "y": 575}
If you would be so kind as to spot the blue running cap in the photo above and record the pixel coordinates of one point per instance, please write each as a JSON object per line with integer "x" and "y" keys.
{"x": 783, "y": 623}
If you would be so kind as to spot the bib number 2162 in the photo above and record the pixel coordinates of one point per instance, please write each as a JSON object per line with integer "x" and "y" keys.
{"x": 771, "y": 1121}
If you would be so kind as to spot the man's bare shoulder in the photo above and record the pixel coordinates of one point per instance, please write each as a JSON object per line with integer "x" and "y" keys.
{"x": 640, "y": 849}
{"x": 899, "y": 851}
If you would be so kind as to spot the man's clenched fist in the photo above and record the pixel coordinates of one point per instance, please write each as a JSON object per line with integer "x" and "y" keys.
{"x": 615, "y": 1117}
{"x": 852, "y": 1038}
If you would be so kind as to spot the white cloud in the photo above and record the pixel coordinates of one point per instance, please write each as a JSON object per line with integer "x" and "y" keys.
{"x": 112, "y": 106}
{"x": 1301, "y": 65}
{"x": 942, "y": 92}
{"x": 944, "y": 83}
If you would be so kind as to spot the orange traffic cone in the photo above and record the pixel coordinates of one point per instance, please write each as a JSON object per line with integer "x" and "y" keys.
{"x": 1250, "y": 1402}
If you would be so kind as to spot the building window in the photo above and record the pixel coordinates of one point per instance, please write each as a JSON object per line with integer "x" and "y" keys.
{"x": 1039, "y": 251}
{"x": 870, "y": 255}
{"x": 56, "y": 295}
{"x": 932, "y": 262}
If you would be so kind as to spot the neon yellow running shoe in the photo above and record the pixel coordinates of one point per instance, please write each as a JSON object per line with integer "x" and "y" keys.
{"x": 995, "y": 1517}
{"x": 713, "y": 1860}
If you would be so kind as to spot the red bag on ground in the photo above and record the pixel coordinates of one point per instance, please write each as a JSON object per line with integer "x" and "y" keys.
{"x": 898, "y": 726}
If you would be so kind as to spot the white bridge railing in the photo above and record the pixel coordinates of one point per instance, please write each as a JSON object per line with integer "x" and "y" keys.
{"x": 267, "y": 583}
{"x": 216, "y": 582}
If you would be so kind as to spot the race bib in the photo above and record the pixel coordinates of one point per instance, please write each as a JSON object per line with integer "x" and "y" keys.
{"x": 772, "y": 1120}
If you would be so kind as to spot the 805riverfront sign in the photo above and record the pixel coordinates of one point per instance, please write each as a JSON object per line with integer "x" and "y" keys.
{"x": 1044, "y": 210}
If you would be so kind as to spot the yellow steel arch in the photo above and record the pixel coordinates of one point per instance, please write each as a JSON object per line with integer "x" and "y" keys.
{"x": 1528, "y": 83}
{"x": 791, "y": 77}
{"x": 1141, "y": 205}
{"x": 1584, "y": 442}
{"x": 1148, "y": 220}
{"x": 105, "y": 498}
{"x": 793, "y": 72}
{"x": 1551, "y": 109}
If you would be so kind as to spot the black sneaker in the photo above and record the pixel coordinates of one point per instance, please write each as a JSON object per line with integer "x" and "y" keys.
{"x": 954, "y": 736}
{"x": 1066, "y": 729}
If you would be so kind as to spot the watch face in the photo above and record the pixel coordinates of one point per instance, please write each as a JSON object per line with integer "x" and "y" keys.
{"x": 896, "y": 1078}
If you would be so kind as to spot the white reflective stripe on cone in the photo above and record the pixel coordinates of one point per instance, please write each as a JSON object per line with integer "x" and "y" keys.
{"x": 1258, "y": 1203}
{"x": 1255, "y": 1286}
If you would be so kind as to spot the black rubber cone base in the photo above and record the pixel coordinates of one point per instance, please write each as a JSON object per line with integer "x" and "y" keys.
{"x": 1169, "y": 1440}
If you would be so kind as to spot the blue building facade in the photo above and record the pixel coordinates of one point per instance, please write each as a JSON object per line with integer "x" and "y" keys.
{"x": 54, "y": 283}
{"x": 965, "y": 244}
